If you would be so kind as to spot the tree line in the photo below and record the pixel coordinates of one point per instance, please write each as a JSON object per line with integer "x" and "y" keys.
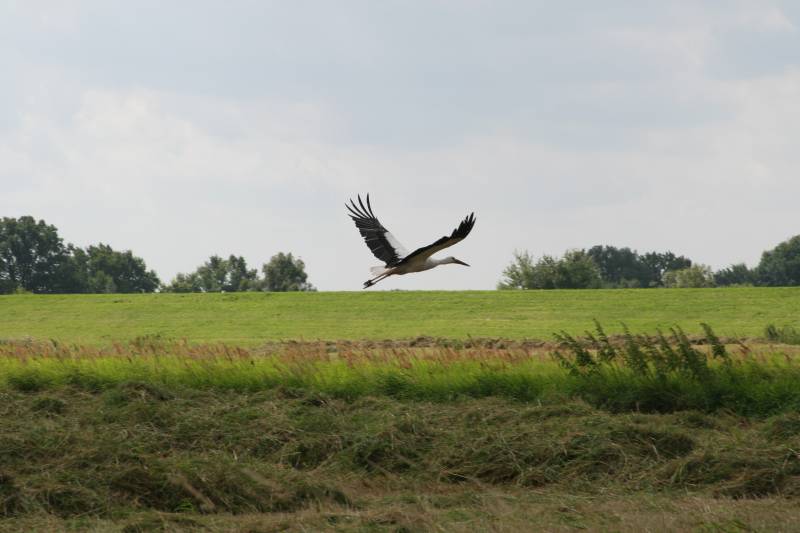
{"x": 34, "y": 258}
{"x": 282, "y": 273}
{"x": 611, "y": 267}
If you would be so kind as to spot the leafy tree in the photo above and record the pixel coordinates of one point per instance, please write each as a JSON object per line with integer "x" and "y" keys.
{"x": 33, "y": 258}
{"x": 606, "y": 266}
{"x": 184, "y": 283}
{"x": 7, "y": 285}
{"x": 285, "y": 273}
{"x": 658, "y": 264}
{"x": 545, "y": 273}
{"x": 695, "y": 276}
{"x": 73, "y": 276}
{"x": 623, "y": 267}
{"x": 781, "y": 265}
{"x": 104, "y": 269}
{"x": 575, "y": 270}
{"x": 239, "y": 276}
{"x": 520, "y": 273}
{"x": 620, "y": 267}
{"x": 738, "y": 274}
{"x": 32, "y": 255}
{"x": 215, "y": 275}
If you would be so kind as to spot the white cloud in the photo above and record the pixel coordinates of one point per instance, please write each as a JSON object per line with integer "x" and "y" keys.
{"x": 761, "y": 16}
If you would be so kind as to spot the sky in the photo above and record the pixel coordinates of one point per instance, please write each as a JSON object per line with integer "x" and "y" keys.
{"x": 184, "y": 129}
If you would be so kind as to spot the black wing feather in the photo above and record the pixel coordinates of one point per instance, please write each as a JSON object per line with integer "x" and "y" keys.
{"x": 460, "y": 233}
{"x": 373, "y": 232}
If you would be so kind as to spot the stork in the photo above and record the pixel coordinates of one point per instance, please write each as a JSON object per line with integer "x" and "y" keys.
{"x": 385, "y": 246}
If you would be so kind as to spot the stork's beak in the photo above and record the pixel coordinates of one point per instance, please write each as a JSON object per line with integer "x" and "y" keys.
{"x": 459, "y": 262}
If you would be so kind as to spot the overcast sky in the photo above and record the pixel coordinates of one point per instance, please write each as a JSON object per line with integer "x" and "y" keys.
{"x": 189, "y": 128}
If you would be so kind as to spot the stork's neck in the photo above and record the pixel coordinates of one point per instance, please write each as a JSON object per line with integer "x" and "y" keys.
{"x": 433, "y": 262}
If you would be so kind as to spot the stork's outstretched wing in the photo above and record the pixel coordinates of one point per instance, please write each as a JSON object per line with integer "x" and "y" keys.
{"x": 382, "y": 243}
{"x": 458, "y": 234}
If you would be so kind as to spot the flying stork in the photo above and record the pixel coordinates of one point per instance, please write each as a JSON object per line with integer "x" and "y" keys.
{"x": 385, "y": 247}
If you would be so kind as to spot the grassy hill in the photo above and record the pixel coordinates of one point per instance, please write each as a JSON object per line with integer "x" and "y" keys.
{"x": 248, "y": 319}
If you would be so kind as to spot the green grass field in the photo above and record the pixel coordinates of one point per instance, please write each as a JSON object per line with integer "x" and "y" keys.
{"x": 248, "y": 319}
{"x": 169, "y": 412}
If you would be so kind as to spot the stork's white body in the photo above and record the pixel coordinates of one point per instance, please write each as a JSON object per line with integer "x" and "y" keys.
{"x": 417, "y": 264}
{"x": 387, "y": 248}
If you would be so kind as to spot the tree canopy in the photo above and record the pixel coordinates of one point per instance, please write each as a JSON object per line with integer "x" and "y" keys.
{"x": 623, "y": 267}
{"x": 282, "y": 273}
{"x": 286, "y": 273}
{"x": 693, "y": 277}
{"x": 738, "y": 274}
{"x": 575, "y": 270}
{"x": 34, "y": 258}
{"x": 217, "y": 275}
{"x": 103, "y": 269}
{"x": 781, "y": 265}
{"x": 32, "y": 255}
{"x": 599, "y": 266}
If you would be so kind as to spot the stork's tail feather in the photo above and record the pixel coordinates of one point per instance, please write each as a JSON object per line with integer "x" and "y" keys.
{"x": 377, "y": 270}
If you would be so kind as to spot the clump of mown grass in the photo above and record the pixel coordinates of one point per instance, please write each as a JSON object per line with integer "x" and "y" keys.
{"x": 665, "y": 373}
{"x": 783, "y": 335}
{"x": 587, "y": 452}
{"x": 10, "y": 499}
{"x": 192, "y": 452}
{"x": 784, "y": 426}
{"x": 50, "y": 406}
{"x": 732, "y": 473}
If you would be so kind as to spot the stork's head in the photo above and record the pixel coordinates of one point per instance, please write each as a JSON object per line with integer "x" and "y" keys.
{"x": 452, "y": 259}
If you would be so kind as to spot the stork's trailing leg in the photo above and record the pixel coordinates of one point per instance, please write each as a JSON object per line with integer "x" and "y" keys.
{"x": 373, "y": 281}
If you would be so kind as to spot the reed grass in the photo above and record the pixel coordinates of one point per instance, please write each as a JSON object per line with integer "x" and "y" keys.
{"x": 627, "y": 373}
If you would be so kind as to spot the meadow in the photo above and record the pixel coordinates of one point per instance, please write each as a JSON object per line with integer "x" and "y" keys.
{"x": 249, "y": 319}
{"x": 474, "y": 411}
